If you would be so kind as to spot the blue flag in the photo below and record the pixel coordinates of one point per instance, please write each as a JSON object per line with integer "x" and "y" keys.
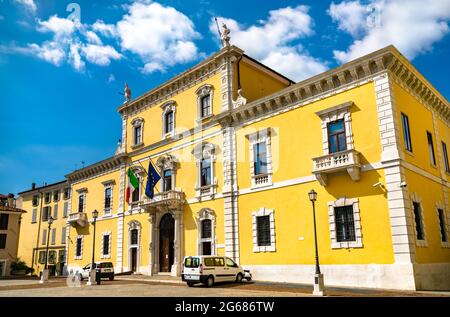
{"x": 152, "y": 178}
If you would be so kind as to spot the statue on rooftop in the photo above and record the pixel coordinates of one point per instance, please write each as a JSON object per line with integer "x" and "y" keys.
{"x": 127, "y": 94}
{"x": 225, "y": 36}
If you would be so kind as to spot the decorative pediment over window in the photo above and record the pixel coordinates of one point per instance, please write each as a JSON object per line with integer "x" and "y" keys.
{"x": 167, "y": 162}
{"x": 204, "y": 149}
{"x": 137, "y": 121}
{"x": 205, "y": 213}
{"x": 134, "y": 224}
{"x": 169, "y": 105}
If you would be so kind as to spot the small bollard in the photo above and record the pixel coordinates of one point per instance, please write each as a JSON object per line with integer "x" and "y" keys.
{"x": 98, "y": 276}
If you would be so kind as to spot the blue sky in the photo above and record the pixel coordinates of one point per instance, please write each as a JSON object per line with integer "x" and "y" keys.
{"x": 61, "y": 74}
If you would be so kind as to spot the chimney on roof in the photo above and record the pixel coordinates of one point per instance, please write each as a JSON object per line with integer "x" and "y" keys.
{"x": 33, "y": 185}
{"x": 11, "y": 200}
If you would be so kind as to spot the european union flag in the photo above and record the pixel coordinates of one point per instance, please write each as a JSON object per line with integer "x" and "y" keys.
{"x": 152, "y": 178}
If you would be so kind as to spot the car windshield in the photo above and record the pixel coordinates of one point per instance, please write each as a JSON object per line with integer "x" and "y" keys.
{"x": 191, "y": 262}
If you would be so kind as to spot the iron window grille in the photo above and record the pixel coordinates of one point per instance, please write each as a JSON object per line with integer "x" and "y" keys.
{"x": 444, "y": 237}
{"x": 263, "y": 230}
{"x": 345, "y": 224}
{"x": 78, "y": 247}
{"x": 418, "y": 221}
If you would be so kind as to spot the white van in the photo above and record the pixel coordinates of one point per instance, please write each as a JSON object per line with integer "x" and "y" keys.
{"x": 209, "y": 269}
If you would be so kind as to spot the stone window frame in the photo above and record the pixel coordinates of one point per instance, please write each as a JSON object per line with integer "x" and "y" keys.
{"x": 201, "y": 151}
{"x": 440, "y": 205}
{"x": 67, "y": 189}
{"x": 167, "y": 107}
{"x": 44, "y": 236}
{"x": 262, "y": 135}
{"x": 206, "y": 214}
{"x": 48, "y": 197}
{"x": 140, "y": 173}
{"x": 259, "y": 213}
{"x": 134, "y": 225}
{"x": 82, "y": 192}
{"x": 108, "y": 184}
{"x": 339, "y": 112}
{"x": 34, "y": 215}
{"x": 56, "y": 195}
{"x": 134, "y": 124}
{"x": 415, "y": 198}
{"x": 53, "y": 237}
{"x": 80, "y": 257}
{"x": 201, "y": 92}
{"x": 342, "y": 202}
{"x": 63, "y": 235}
{"x": 167, "y": 162}
{"x": 102, "y": 255}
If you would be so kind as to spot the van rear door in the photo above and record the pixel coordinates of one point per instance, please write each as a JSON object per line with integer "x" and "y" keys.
{"x": 191, "y": 268}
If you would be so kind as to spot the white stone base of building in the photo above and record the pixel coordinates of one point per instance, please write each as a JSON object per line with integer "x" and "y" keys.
{"x": 381, "y": 276}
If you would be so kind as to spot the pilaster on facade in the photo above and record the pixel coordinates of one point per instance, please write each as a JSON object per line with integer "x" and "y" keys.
{"x": 399, "y": 204}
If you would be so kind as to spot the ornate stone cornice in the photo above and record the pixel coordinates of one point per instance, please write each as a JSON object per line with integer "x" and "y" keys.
{"x": 388, "y": 59}
{"x": 97, "y": 168}
{"x": 185, "y": 80}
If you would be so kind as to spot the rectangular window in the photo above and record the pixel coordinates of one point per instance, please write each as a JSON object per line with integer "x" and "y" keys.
{"x": 34, "y": 215}
{"x": 4, "y": 219}
{"x": 35, "y": 201}
{"x": 63, "y": 236}
{"x": 431, "y": 148}
{"x": 53, "y": 236}
{"x": 263, "y": 230}
{"x": 108, "y": 194}
{"x": 206, "y": 229}
{"x": 418, "y": 221}
{"x": 260, "y": 158}
{"x": 2, "y": 240}
{"x": 66, "y": 193}
{"x": 106, "y": 244}
{"x": 41, "y": 258}
{"x": 48, "y": 197}
{"x": 52, "y": 257}
{"x": 444, "y": 150}
{"x": 406, "y": 133}
{"x": 44, "y": 237}
{"x": 135, "y": 196}
{"x": 66, "y": 210}
{"x": 167, "y": 180}
{"x": 134, "y": 237}
{"x": 336, "y": 136}
{"x": 169, "y": 122}
{"x": 345, "y": 225}
{"x": 55, "y": 212}
{"x": 205, "y": 166}
{"x": 62, "y": 256}
{"x": 206, "y": 105}
{"x": 46, "y": 213}
{"x": 78, "y": 247}
{"x": 138, "y": 134}
{"x": 442, "y": 225}
{"x": 56, "y": 195}
{"x": 81, "y": 201}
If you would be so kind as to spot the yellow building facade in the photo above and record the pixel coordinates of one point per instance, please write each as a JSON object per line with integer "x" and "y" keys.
{"x": 239, "y": 146}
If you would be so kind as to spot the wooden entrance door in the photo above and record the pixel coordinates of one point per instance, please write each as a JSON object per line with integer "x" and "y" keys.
{"x": 166, "y": 236}
{"x": 133, "y": 259}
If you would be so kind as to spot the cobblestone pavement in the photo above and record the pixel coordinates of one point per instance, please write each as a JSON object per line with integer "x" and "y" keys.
{"x": 172, "y": 287}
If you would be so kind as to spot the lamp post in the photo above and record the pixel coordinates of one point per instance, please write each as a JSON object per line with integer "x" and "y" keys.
{"x": 44, "y": 275}
{"x": 318, "y": 277}
{"x": 92, "y": 271}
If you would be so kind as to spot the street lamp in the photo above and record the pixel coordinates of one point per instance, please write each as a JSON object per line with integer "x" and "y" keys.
{"x": 44, "y": 275}
{"x": 318, "y": 277}
{"x": 92, "y": 272}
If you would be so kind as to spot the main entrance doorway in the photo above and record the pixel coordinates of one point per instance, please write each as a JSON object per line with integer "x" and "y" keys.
{"x": 166, "y": 237}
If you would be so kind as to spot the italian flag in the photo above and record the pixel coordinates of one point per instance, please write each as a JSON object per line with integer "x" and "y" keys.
{"x": 133, "y": 183}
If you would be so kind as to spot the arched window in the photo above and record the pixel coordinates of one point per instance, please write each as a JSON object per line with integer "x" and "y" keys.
{"x": 137, "y": 132}
{"x": 206, "y": 222}
{"x": 168, "y": 119}
{"x": 204, "y": 154}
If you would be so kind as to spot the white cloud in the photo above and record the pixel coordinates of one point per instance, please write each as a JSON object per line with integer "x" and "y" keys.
{"x": 275, "y": 41}
{"x": 349, "y": 15}
{"x": 160, "y": 35}
{"x": 48, "y": 51}
{"x": 412, "y": 26}
{"x": 111, "y": 78}
{"x": 59, "y": 26}
{"x": 93, "y": 38}
{"x": 108, "y": 30}
{"x": 75, "y": 58}
{"x": 100, "y": 55}
{"x": 30, "y": 5}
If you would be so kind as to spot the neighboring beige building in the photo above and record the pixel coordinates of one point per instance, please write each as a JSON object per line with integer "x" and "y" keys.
{"x": 10, "y": 218}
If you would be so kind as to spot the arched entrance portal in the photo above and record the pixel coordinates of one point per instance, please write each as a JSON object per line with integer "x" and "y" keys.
{"x": 166, "y": 238}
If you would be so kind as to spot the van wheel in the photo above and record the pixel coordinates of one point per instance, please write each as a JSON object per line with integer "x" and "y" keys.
{"x": 239, "y": 278}
{"x": 111, "y": 278}
{"x": 210, "y": 281}
{"x": 80, "y": 277}
{"x": 190, "y": 284}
